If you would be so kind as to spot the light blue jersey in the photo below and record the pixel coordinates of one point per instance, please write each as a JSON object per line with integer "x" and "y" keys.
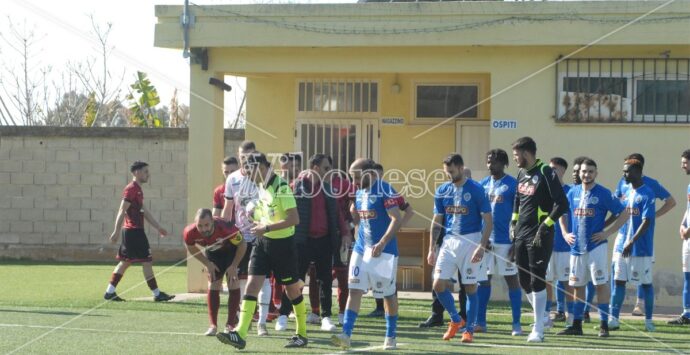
{"x": 461, "y": 207}
{"x": 372, "y": 206}
{"x": 641, "y": 205}
{"x": 501, "y": 194}
{"x": 588, "y": 211}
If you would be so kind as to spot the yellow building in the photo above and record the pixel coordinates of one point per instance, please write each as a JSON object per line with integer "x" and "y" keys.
{"x": 407, "y": 83}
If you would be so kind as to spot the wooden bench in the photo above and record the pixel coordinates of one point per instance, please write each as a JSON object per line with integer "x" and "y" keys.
{"x": 413, "y": 271}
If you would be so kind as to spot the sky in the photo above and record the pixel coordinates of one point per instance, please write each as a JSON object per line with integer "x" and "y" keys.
{"x": 64, "y": 29}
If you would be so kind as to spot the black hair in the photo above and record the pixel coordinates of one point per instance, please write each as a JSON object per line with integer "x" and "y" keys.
{"x": 137, "y": 165}
{"x": 247, "y": 145}
{"x": 454, "y": 159}
{"x": 498, "y": 155}
{"x": 636, "y": 156}
{"x": 686, "y": 154}
{"x": 559, "y": 161}
{"x": 589, "y": 162}
{"x": 317, "y": 159}
{"x": 526, "y": 144}
{"x": 230, "y": 161}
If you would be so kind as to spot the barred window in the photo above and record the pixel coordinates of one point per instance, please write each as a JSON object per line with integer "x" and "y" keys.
{"x": 333, "y": 96}
{"x": 623, "y": 90}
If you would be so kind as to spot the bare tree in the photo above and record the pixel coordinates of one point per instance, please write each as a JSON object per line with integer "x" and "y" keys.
{"x": 22, "y": 82}
{"x": 179, "y": 113}
{"x": 96, "y": 77}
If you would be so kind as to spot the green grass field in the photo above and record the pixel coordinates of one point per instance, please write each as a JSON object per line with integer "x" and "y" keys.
{"x": 59, "y": 307}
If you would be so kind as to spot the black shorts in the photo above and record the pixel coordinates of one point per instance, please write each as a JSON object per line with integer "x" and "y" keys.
{"x": 134, "y": 247}
{"x": 244, "y": 263}
{"x": 222, "y": 259}
{"x": 276, "y": 255}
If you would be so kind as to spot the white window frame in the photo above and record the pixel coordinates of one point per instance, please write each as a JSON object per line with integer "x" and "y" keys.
{"x": 342, "y": 114}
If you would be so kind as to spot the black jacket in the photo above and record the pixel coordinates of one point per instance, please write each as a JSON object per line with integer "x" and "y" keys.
{"x": 302, "y": 190}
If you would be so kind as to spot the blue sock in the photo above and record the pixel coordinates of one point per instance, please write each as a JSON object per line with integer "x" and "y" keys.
{"x": 515, "y": 296}
{"x": 640, "y": 292}
{"x": 483, "y": 294}
{"x": 549, "y": 304}
{"x": 560, "y": 297}
{"x": 472, "y": 308}
{"x": 349, "y": 322}
{"x": 604, "y": 313}
{"x": 448, "y": 302}
{"x": 391, "y": 325}
{"x": 617, "y": 298}
{"x": 648, "y": 300}
{"x": 590, "y": 291}
{"x": 579, "y": 310}
{"x": 686, "y": 294}
{"x": 571, "y": 307}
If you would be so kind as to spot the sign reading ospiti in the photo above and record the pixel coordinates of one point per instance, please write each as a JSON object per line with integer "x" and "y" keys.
{"x": 504, "y": 124}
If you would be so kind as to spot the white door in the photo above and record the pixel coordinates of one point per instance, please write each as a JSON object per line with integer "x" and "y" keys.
{"x": 472, "y": 141}
{"x": 343, "y": 139}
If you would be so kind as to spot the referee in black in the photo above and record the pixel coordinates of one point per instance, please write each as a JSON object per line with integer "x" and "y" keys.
{"x": 539, "y": 203}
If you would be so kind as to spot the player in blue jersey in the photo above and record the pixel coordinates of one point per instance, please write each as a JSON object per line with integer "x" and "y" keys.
{"x": 373, "y": 264}
{"x": 564, "y": 293}
{"x": 463, "y": 211}
{"x": 500, "y": 189}
{"x": 559, "y": 265}
{"x": 663, "y": 195}
{"x": 632, "y": 256}
{"x": 583, "y": 229}
{"x": 684, "y": 231}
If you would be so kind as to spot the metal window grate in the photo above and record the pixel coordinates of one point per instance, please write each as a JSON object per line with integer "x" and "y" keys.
{"x": 338, "y": 96}
{"x": 623, "y": 90}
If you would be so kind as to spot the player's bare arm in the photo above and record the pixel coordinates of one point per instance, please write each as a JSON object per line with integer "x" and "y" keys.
{"x": 436, "y": 230}
{"x": 393, "y": 227}
{"x": 640, "y": 231}
{"x": 616, "y": 222}
{"x": 198, "y": 254}
{"x": 668, "y": 205}
{"x": 149, "y": 218}
{"x": 117, "y": 230}
{"x": 486, "y": 233}
{"x": 292, "y": 219}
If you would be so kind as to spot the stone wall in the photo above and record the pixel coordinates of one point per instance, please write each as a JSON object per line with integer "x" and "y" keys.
{"x": 60, "y": 188}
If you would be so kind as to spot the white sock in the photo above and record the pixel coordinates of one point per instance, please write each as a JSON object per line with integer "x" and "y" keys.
{"x": 539, "y": 306}
{"x": 110, "y": 289}
{"x": 648, "y": 321}
{"x": 264, "y": 301}
{"x": 530, "y": 299}
{"x": 685, "y": 310}
{"x": 156, "y": 292}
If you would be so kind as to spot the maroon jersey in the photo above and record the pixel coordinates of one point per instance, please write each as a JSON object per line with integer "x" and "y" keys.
{"x": 134, "y": 216}
{"x": 223, "y": 237}
{"x": 219, "y": 197}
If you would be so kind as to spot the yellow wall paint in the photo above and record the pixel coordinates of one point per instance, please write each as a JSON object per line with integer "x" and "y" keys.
{"x": 271, "y": 111}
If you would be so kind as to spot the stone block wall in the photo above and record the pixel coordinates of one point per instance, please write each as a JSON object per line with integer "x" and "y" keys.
{"x": 61, "y": 187}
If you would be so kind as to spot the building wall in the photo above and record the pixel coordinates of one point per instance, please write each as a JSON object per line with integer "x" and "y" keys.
{"x": 523, "y": 83}
{"x": 60, "y": 189}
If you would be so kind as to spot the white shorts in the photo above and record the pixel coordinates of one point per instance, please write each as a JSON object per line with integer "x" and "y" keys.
{"x": 456, "y": 254}
{"x": 686, "y": 255}
{"x": 590, "y": 266}
{"x": 362, "y": 278}
{"x": 496, "y": 261}
{"x": 637, "y": 270}
{"x": 559, "y": 267}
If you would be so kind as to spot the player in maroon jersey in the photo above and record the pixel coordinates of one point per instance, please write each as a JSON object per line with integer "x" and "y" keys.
{"x": 223, "y": 249}
{"x": 135, "y": 245}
